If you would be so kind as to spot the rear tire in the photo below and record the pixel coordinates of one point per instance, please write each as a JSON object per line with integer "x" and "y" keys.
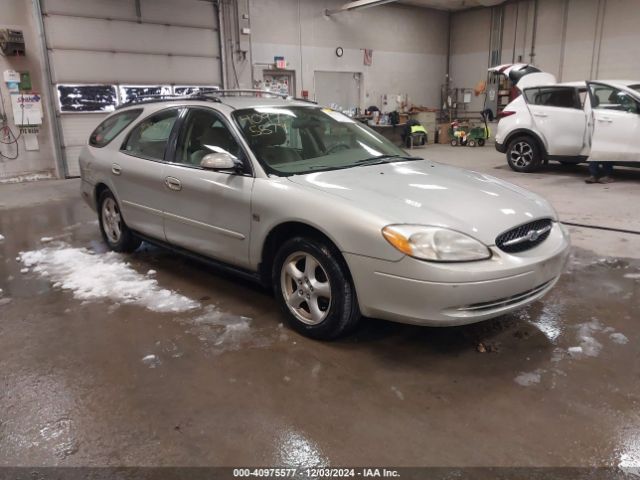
{"x": 454, "y": 142}
{"x": 114, "y": 231}
{"x": 524, "y": 154}
{"x": 471, "y": 143}
{"x": 481, "y": 142}
{"x": 314, "y": 289}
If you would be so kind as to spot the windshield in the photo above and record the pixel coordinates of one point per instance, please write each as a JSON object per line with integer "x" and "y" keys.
{"x": 296, "y": 140}
{"x": 635, "y": 87}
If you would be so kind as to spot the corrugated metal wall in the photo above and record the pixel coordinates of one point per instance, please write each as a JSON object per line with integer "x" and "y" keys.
{"x": 145, "y": 42}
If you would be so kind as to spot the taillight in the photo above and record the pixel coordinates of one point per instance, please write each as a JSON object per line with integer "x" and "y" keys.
{"x": 506, "y": 113}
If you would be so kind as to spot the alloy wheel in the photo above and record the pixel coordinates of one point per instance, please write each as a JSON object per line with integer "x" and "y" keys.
{"x": 111, "y": 220}
{"x": 306, "y": 288}
{"x": 521, "y": 154}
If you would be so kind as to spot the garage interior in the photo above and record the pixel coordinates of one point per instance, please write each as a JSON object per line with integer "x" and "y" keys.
{"x": 93, "y": 381}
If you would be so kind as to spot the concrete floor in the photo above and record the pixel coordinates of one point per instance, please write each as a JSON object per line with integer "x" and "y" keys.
{"x": 102, "y": 382}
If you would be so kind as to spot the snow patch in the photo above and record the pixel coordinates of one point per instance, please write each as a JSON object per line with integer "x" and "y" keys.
{"x": 573, "y": 351}
{"x": 527, "y": 379}
{"x": 620, "y": 338}
{"x": 398, "y": 393}
{"x": 151, "y": 361}
{"x": 590, "y": 346}
{"x": 1, "y": 237}
{"x": 46, "y": 239}
{"x": 221, "y": 328}
{"x": 92, "y": 276}
{"x": 632, "y": 275}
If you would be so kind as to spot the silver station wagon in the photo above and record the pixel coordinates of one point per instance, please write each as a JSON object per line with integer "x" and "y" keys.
{"x": 336, "y": 219}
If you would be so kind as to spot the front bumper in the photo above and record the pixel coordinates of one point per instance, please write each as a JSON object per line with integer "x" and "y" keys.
{"x": 501, "y": 147}
{"x": 445, "y": 294}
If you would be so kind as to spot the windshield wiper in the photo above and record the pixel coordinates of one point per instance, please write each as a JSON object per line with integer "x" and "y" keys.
{"x": 378, "y": 159}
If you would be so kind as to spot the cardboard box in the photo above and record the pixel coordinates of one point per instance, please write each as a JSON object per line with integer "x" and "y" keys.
{"x": 443, "y": 133}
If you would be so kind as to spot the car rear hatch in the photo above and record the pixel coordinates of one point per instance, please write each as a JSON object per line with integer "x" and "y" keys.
{"x": 524, "y": 75}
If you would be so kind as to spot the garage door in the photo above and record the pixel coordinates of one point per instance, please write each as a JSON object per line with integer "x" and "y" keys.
{"x": 100, "y": 52}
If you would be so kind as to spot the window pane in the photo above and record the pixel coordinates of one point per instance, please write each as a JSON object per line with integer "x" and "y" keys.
{"x": 111, "y": 127}
{"x": 87, "y": 98}
{"x": 149, "y": 138}
{"x": 610, "y": 98}
{"x": 204, "y": 133}
{"x": 553, "y": 97}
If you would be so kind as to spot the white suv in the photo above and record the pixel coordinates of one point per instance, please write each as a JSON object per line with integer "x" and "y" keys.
{"x": 568, "y": 122}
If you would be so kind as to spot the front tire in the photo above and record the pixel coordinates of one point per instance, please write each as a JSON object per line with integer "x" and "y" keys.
{"x": 114, "y": 231}
{"x": 524, "y": 155}
{"x": 314, "y": 289}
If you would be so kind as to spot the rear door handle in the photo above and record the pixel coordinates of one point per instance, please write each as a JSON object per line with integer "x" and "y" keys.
{"x": 116, "y": 169}
{"x": 541, "y": 115}
{"x": 173, "y": 183}
{"x": 605, "y": 120}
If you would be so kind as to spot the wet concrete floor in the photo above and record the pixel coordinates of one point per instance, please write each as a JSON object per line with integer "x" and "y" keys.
{"x": 91, "y": 378}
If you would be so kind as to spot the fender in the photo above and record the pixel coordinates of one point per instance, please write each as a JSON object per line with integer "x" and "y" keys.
{"x": 530, "y": 133}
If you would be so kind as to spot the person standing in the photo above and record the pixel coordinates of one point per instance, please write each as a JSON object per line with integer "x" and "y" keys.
{"x": 600, "y": 172}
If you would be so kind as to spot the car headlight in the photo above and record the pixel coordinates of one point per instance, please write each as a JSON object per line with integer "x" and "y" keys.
{"x": 435, "y": 243}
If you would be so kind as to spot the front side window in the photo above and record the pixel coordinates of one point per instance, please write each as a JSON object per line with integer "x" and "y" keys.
{"x": 203, "y": 133}
{"x": 112, "y": 126}
{"x": 150, "y": 137}
{"x": 553, "y": 97}
{"x": 297, "y": 140}
{"x": 609, "y": 98}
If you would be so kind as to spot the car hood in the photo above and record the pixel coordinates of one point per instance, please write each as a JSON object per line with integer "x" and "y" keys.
{"x": 428, "y": 193}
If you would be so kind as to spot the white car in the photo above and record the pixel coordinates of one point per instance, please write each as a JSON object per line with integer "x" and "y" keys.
{"x": 572, "y": 122}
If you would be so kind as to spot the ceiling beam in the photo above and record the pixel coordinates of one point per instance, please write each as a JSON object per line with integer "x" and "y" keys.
{"x": 356, "y": 5}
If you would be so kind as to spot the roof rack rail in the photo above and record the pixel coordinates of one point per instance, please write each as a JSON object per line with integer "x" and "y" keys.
{"x": 246, "y": 91}
{"x": 163, "y": 97}
{"x": 300, "y": 99}
{"x": 210, "y": 96}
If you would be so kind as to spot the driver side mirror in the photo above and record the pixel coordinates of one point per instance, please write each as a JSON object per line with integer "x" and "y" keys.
{"x": 220, "y": 161}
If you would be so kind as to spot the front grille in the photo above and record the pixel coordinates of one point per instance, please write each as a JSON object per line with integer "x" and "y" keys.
{"x": 525, "y": 236}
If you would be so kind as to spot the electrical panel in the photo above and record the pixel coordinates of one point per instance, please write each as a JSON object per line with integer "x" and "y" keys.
{"x": 11, "y": 42}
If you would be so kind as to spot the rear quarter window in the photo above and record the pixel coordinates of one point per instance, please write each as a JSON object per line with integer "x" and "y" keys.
{"x": 112, "y": 126}
{"x": 553, "y": 97}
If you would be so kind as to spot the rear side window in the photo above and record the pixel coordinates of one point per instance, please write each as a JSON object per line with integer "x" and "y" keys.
{"x": 553, "y": 97}
{"x": 112, "y": 126}
{"x": 150, "y": 137}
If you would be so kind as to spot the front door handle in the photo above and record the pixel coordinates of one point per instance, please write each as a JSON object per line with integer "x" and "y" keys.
{"x": 173, "y": 183}
{"x": 116, "y": 169}
{"x": 541, "y": 115}
{"x": 605, "y": 120}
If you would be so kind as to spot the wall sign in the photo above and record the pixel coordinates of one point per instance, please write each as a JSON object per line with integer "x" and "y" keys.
{"x": 27, "y": 109}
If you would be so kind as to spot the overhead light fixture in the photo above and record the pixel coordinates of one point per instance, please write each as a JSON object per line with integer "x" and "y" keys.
{"x": 356, "y": 5}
